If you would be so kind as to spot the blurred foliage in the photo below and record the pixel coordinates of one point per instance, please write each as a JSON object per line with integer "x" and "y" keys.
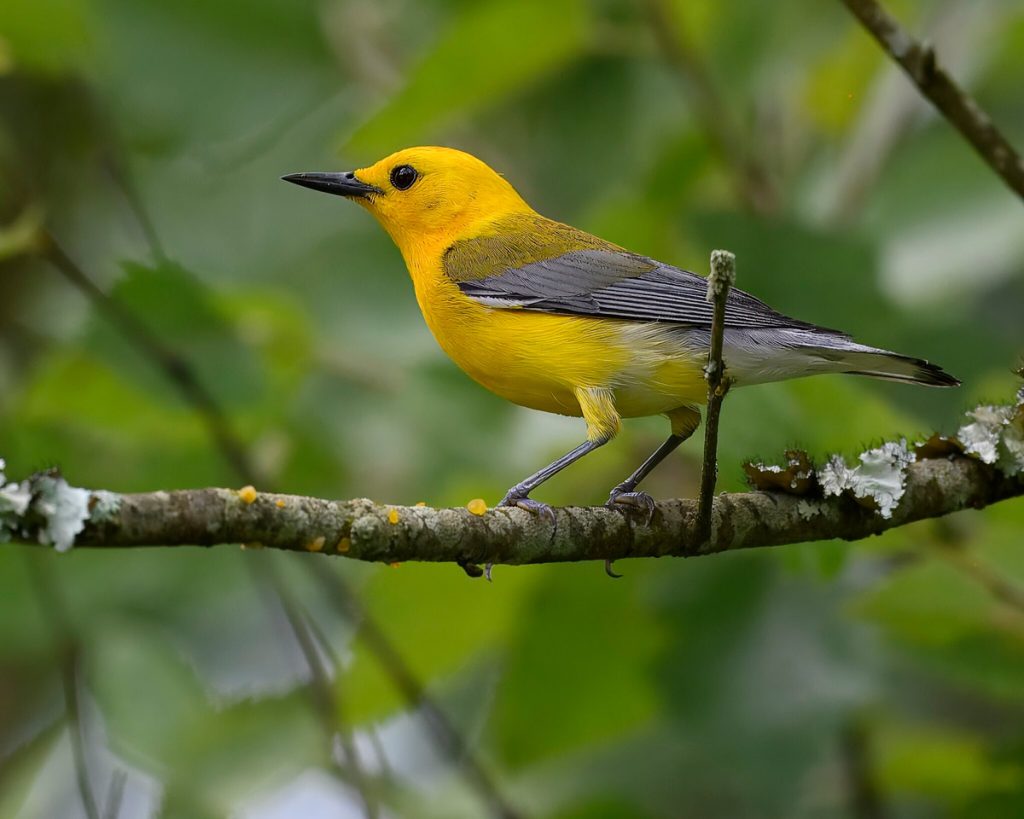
{"x": 149, "y": 135}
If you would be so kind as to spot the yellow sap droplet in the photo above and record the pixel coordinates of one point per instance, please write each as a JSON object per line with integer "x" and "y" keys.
{"x": 344, "y": 545}
{"x": 280, "y": 504}
{"x": 393, "y": 516}
{"x": 421, "y": 503}
{"x": 477, "y": 506}
{"x": 247, "y": 494}
{"x": 395, "y": 565}
{"x": 316, "y": 544}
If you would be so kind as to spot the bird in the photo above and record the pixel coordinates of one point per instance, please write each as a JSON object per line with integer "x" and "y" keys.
{"x": 553, "y": 318}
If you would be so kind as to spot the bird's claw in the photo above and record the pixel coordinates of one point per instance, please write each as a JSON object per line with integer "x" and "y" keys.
{"x": 621, "y": 499}
{"x": 530, "y": 505}
{"x": 608, "y": 570}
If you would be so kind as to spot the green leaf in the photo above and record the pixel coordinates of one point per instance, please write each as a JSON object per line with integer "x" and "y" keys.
{"x": 440, "y": 620}
{"x": 45, "y": 35}
{"x": 576, "y": 673}
{"x": 492, "y": 50}
{"x": 949, "y": 766}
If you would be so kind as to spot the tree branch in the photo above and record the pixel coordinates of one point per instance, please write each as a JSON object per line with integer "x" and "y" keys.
{"x": 956, "y": 105}
{"x": 363, "y": 530}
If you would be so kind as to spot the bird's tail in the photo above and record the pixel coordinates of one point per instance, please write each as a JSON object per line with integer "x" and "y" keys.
{"x": 772, "y": 354}
{"x": 897, "y": 367}
{"x": 859, "y": 359}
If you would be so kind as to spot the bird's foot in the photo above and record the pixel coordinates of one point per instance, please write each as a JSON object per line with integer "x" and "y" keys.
{"x": 623, "y": 499}
{"x": 518, "y": 498}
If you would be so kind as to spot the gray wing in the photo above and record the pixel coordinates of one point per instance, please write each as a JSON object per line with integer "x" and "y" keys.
{"x": 622, "y": 285}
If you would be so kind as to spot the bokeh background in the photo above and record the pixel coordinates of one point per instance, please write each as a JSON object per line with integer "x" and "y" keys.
{"x": 873, "y": 679}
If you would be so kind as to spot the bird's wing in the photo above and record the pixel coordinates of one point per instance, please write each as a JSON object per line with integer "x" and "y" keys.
{"x": 596, "y": 280}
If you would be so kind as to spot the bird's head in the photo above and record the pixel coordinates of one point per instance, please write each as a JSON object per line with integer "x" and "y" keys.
{"x": 423, "y": 195}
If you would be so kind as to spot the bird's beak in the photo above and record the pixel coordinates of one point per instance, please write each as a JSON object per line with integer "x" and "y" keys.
{"x": 340, "y": 184}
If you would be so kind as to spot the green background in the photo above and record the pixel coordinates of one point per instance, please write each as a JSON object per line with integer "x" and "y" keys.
{"x": 880, "y": 678}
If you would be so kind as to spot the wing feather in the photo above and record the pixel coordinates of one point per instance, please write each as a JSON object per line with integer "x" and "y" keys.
{"x": 593, "y": 278}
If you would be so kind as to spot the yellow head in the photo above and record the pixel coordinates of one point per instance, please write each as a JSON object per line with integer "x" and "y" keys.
{"x": 424, "y": 196}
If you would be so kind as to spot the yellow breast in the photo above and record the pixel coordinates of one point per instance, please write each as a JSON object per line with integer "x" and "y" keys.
{"x": 537, "y": 359}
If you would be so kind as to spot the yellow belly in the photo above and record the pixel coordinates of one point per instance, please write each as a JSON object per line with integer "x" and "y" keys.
{"x": 537, "y": 360}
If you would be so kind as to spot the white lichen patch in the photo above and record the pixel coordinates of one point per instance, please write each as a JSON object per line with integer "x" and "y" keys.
{"x": 879, "y": 478}
{"x": 64, "y": 509}
{"x": 995, "y": 435}
{"x": 47, "y": 508}
{"x": 14, "y": 497}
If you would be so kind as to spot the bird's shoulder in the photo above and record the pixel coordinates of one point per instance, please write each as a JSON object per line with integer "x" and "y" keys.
{"x": 517, "y": 241}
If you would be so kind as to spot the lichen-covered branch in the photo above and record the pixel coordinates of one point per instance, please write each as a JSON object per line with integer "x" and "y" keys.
{"x": 918, "y": 60}
{"x": 892, "y": 486}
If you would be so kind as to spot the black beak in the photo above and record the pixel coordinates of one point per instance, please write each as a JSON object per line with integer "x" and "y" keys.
{"x": 340, "y": 184}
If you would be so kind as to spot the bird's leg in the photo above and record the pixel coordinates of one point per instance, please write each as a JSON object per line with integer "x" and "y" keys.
{"x": 598, "y": 409}
{"x": 625, "y": 493}
{"x": 684, "y": 422}
{"x": 597, "y": 405}
{"x": 518, "y": 495}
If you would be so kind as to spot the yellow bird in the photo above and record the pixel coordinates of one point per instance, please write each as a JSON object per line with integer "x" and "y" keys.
{"x": 555, "y": 319}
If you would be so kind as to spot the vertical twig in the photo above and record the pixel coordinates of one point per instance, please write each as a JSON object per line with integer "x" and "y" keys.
{"x": 956, "y": 105}
{"x": 720, "y": 281}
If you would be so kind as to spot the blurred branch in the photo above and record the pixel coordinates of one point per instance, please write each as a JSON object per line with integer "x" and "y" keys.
{"x": 54, "y": 609}
{"x": 322, "y": 690}
{"x": 753, "y": 182}
{"x": 115, "y": 794}
{"x": 985, "y": 575}
{"x": 176, "y": 369}
{"x": 720, "y": 282}
{"x": 891, "y": 108}
{"x": 956, "y": 105}
{"x": 363, "y": 530}
{"x": 865, "y": 801}
{"x": 443, "y": 732}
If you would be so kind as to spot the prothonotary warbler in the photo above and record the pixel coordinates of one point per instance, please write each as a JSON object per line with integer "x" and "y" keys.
{"x": 555, "y": 319}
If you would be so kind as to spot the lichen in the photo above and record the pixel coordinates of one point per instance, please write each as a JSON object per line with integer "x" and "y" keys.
{"x": 14, "y": 501}
{"x": 103, "y": 505}
{"x": 63, "y": 508}
{"x": 995, "y": 435}
{"x": 808, "y": 510}
{"x": 879, "y": 481}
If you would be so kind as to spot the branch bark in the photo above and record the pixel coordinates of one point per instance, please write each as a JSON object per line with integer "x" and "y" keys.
{"x": 364, "y": 530}
{"x": 918, "y": 60}
{"x": 720, "y": 282}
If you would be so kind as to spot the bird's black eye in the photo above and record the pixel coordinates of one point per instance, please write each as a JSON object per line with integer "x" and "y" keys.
{"x": 402, "y": 176}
